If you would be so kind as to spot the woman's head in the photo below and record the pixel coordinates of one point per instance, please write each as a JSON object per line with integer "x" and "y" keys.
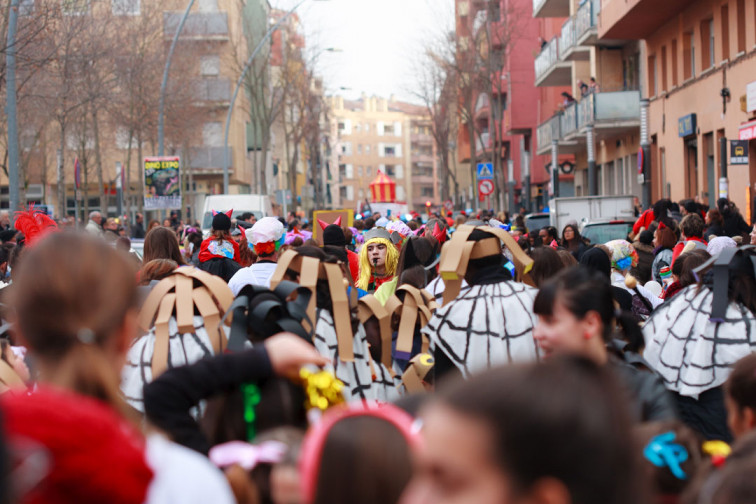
{"x": 690, "y": 261}
{"x": 570, "y": 233}
{"x": 575, "y": 313}
{"x": 671, "y": 456}
{"x": 555, "y": 432}
{"x": 546, "y": 264}
{"x": 157, "y": 269}
{"x": 75, "y": 299}
{"x": 740, "y": 396}
{"x": 665, "y": 237}
{"x": 162, "y": 243}
{"x": 714, "y": 216}
{"x": 358, "y": 456}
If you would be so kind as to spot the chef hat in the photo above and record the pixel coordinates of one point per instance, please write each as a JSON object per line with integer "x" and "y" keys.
{"x": 266, "y": 236}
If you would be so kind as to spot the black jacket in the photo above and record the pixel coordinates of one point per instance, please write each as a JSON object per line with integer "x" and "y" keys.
{"x": 651, "y": 401}
{"x": 169, "y": 399}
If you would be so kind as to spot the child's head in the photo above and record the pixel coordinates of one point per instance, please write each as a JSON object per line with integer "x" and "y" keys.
{"x": 741, "y": 396}
{"x": 357, "y": 456}
{"x": 671, "y": 456}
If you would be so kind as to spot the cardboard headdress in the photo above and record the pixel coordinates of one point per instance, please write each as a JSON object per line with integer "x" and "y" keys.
{"x": 178, "y": 296}
{"x": 417, "y": 371}
{"x": 369, "y": 306}
{"x": 416, "y": 304}
{"x": 311, "y": 269}
{"x": 377, "y": 233}
{"x": 457, "y": 252}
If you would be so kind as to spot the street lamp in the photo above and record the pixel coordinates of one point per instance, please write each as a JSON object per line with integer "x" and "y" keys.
{"x": 11, "y": 110}
{"x": 164, "y": 84}
{"x": 239, "y": 83}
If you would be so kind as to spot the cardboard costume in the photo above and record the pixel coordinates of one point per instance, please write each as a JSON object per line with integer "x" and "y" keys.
{"x": 489, "y": 324}
{"x": 333, "y": 336}
{"x": 694, "y": 339}
{"x": 182, "y": 321}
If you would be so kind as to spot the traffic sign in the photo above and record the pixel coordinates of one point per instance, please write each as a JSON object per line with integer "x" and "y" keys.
{"x": 485, "y": 187}
{"x": 485, "y": 171}
{"x": 449, "y": 205}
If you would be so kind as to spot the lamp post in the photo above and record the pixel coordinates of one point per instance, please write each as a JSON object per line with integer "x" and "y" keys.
{"x": 164, "y": 84}
{"x": 239, "y": 83}
{"x": 11, "y": 111}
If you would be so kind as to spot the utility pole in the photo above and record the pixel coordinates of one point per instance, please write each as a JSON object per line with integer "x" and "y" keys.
{"x": 11, "y": 109}
{"x": 646, "y": 149}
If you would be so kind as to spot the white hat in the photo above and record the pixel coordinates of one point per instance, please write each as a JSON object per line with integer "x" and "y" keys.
{"x": 267, "y": 229}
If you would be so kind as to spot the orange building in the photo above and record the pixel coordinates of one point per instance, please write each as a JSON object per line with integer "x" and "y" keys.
{"x": 698, "y": 65}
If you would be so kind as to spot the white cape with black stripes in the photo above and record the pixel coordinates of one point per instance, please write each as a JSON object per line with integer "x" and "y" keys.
{"x": 186, "y": 348}
{"x": 358, "y": 375}
{"x": 691, "y": 353}
{"x": 487, "y": 325}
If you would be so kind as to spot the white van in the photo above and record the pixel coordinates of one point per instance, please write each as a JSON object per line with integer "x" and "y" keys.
{"x": 256, "y": 204}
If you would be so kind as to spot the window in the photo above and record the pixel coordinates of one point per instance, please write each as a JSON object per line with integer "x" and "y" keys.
{"x": 389, "y": 151}
{"x": 210, "y": 65}
{"x": 426, "y": 192}
{"x": 741, "y": 26}
{"x": 689, "y": 56}
{"x": 25, "y": 7}
{"x": 357, "y": 128}
{"x": 388, "y": 129}
{"x": 346, "y": 148}
{"x": 707, "y": 44}
{"x": 212, "y": 134}
{"x": 368, "y": 171}
{"x": 664, "y": 67}
{"x": 674, "y": 62}
{"x": 367, "y": 149}
{"x": 208, "y": 5}
{"x": 359, "y": 148}
{"x": 652, "y": 77}
{"x": 75, "y": 7}
{"x": 367, "y": 127}
{"x": 400, "y": 196}
{"x": 390, "y": 170}
{"x": 126, "y": 7}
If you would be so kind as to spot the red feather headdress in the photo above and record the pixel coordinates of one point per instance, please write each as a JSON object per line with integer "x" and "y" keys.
{"x": 34, "y": 224}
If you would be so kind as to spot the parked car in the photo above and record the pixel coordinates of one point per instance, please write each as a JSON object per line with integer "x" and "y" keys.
{"x": 598, "y": 232}
{"x": 536, "y": 221}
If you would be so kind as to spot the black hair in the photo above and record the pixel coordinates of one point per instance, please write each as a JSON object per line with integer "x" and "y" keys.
{"x": 581, "y": 290}
{"x": 661, "y": 208}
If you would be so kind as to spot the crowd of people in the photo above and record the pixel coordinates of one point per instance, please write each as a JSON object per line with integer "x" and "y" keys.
{"x": 425, "y": 359}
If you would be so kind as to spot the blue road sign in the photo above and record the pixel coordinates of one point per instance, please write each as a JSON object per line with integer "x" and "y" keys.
{"x": 485, "y": 171}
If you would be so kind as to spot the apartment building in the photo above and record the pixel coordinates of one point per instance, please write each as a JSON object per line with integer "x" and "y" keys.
{"x": 699, "y": 67}
{"x": 598, "y": 121}
{"x": 375, "y": 134}
{"x": 211, "y": 48}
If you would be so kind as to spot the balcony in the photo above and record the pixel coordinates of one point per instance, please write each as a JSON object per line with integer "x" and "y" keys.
{"x": 213, "y": 90}
{"x": 421, "y": 158}
{"x": 546, "y": 132}
{"x": 549, "y": 70}
{"x": 568, "y": 121}
{"x": 209, "y": 160}
{"x": 636, "y": 19}
{"x": 551, "y": 8}
{"x": 198, "y": 26}
{"x": 611, "y": 114}
{"x": 483, "y": 142}
{"x": 586, "y": 23}
{"x": 569, "y": 49}
{"x": 421, "y": 139}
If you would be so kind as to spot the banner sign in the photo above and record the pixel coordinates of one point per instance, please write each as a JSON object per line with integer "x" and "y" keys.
{"x": 162, "y": 183}
{"x": 686, "y": 125}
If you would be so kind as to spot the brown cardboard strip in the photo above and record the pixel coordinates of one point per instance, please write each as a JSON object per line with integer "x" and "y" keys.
{"x": 341, "y": 314}
{"x": 153, "y": 301}
{"x": 162, "y": 335}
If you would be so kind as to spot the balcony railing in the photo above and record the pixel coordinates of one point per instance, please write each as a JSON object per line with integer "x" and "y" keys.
{"x": 546, "y": 132}
{"x": 568, "y": 38}
{"x": 547, "y": 59}
{"x": 586, "y": 20}
{"x": 213, "y": 90}
{"x": 200, "y": 25}
{"x": 569, "y": 119}
{"x": 620, "y": 106}
{"x": 209, "y": 158}
{"x": 551, "y": 8}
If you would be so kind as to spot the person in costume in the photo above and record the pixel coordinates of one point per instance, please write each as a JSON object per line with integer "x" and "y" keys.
{"x": 378, "y": 260}
{"x": 333, "y": 236}
{"x": 219, "y": 253}
{"x": 265, "y": 238}
{"x": 417, "y": 251}
{"x": 694, "y": 339}
{"x": 492, "y": 322}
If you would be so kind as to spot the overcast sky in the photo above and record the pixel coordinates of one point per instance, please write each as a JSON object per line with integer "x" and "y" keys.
{"x": 379, "y": 40}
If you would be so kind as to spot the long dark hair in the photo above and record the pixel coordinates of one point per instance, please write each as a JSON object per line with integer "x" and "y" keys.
{"x": 563, "y": 419}
{"x": 573, "y": 244}
{"x": 162, "y": 243}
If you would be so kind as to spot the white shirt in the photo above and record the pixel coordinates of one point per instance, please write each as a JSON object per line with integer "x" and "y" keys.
{"x": 436, "y": 287}
{"x": 183, "y": 475}
{"x": 256, "y": 274}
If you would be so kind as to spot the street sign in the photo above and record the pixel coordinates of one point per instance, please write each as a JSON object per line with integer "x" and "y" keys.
{"x": 485, "y": 187}
{"x": 738, "y": 152}
{"x": 485, "y": 171}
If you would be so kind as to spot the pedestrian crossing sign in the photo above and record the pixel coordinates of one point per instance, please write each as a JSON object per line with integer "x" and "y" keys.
{"x": 485, "y": 171}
